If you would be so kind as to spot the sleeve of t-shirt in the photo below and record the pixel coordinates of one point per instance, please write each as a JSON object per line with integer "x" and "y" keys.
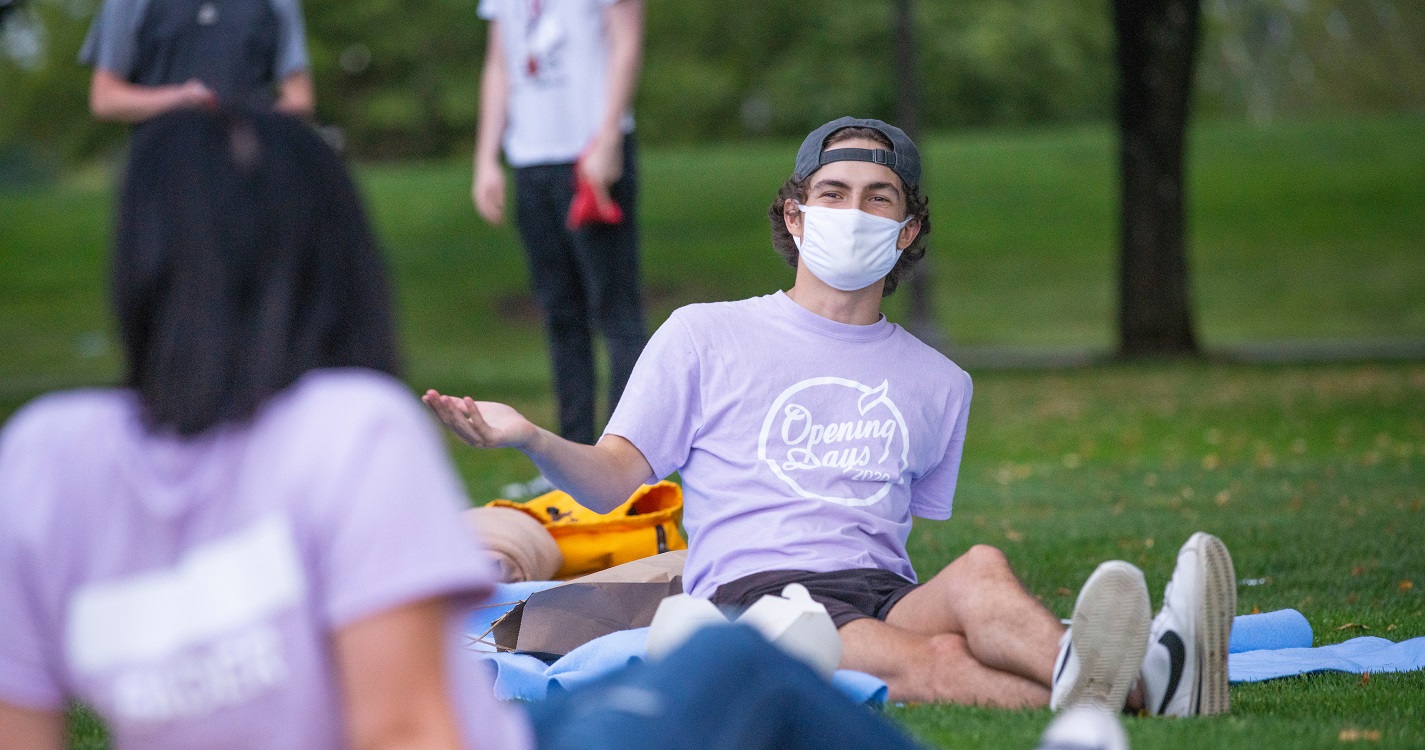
{"x": 488, "y": 9}
{"x": 112, "y": 42}
{"x": 661, "y": 408}
{"x": 292, "y": 38}
{"x": 393, "y": 534}
{"x": 29, "y": 660}
{"x": 26, "y": 654}
{"x": 933, "y": 495}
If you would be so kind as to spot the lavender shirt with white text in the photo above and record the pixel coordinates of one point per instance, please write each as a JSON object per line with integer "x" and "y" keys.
{"x": 803, "y": 443}
{"x": 188, "y": 590}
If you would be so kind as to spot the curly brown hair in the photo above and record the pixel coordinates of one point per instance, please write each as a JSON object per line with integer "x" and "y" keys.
{"x": 916, "y": 202}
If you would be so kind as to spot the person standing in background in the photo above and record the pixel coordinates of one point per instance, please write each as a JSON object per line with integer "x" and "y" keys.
{"x": 556, "y": 96}
{"x": 154, "y": 56}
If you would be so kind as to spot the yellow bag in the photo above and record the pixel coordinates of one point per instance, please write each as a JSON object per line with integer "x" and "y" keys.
{"x": 645, "y": 525}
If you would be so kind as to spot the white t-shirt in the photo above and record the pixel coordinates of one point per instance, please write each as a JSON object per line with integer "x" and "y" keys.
{"x": 557, "y": 60}
{"x": 803, "y": 443}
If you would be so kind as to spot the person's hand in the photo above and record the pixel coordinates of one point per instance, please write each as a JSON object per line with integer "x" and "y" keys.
{"x": 488, "y": 192}
{"x": 602, "y": 166}
{"x": 297, "y": 97}
{"x": 483, "y": 424}
{"x": 192, "y": 93}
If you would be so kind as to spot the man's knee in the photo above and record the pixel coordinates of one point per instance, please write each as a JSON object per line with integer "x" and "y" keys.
{"x": 984, "y": 561}
{"x": 937, "y": 673}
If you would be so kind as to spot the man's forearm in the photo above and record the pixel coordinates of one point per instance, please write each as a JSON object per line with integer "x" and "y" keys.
{"x": 599, "y": 477}
{"x": 113, "y": 99}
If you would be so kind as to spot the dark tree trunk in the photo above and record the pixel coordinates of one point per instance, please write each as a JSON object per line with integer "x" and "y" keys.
{"x": 907, "y": 77}
{"x": 1157, "y": 43}
{"x": 918, "y": 285}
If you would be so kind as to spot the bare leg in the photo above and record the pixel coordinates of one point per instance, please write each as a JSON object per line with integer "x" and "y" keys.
{"x": 979, "y": 597}
{"x": 971, "y": 634}
{"x": 932, "y": 668}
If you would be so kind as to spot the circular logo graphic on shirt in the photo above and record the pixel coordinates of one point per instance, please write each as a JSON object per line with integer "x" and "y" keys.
{"x": 836, "y": 440}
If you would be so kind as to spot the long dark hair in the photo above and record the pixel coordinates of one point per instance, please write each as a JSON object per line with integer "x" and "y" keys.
{"x": 242, "y": 260}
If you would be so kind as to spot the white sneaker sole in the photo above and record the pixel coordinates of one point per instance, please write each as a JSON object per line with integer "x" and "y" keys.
{"x": 1110, "y": 635}
{"x": 1214, "y": 624}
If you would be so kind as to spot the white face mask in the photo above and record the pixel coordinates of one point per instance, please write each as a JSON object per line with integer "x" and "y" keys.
{"x": 847, "y": 248}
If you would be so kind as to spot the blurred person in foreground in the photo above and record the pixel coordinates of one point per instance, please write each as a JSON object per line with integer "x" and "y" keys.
{"x": 153, "y": 56}
{"x": 556, "y": 96}
{"x": 255, "y": 542}
{"x": 808, "y": 430}
{"x": 251, "y": 543}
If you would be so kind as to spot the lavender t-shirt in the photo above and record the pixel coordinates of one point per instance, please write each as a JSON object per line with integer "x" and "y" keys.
{"x": 188, "y": 590}
{"x": 803, "y": 443}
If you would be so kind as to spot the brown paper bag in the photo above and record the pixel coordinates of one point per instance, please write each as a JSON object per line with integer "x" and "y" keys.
{"x": 656, "y": 569}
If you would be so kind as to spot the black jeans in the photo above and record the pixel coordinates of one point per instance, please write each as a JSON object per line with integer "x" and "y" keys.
{"x": 585, "y": 280}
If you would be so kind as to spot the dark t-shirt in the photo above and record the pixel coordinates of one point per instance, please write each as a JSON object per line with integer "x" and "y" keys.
{"x": 238, "y": 48}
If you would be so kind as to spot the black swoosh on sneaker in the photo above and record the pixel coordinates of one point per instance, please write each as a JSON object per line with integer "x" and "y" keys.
{"x": 1065, "y": 662}
{"x": 1197, "y": 695}
{"x": 1177, "y": 655}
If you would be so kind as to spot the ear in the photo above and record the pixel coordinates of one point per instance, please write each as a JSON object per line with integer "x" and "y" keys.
{"x": 792, "y": 217}
{"x": 908, "y": 234}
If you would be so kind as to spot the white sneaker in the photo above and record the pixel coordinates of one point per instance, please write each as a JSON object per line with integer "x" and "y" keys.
{"x": 1185, "y": 672}
{"x": 1085, "y": 728}
{"x": 1102, "y": 651}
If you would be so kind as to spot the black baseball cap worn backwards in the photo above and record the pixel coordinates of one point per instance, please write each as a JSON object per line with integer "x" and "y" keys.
{"x": 904, "y": 159}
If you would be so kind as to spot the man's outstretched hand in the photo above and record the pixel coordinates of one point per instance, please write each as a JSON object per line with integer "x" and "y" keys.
{"x": 599, "y": 477}
{"x": 483, "y": 424}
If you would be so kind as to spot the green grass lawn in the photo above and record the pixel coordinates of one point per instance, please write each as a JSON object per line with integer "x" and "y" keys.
{"x": 1314, "y": 475}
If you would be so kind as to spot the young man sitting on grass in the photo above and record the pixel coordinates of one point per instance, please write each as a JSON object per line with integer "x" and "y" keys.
{"x": 808, "y": 429}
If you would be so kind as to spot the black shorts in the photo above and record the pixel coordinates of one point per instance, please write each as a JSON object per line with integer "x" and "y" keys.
{"x": 847, "y": 594}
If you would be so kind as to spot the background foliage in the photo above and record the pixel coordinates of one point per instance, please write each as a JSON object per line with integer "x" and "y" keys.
{"x": 401, "y": 79}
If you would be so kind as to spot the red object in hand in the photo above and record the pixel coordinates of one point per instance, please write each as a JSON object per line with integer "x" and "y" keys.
{"x": 585, "y": 209}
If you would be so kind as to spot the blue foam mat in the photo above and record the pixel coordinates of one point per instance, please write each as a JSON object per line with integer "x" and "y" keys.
{"x": 1284, "y": 628}
{"x": 1358, "y": 655}
{"x": 1263, "y": 647}
{"x": 1278, "y": 644}
{"x": 522, "y": 677}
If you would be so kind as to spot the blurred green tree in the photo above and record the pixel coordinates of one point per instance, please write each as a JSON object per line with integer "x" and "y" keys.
{"x": 401, "y": 79}
{"x": 44, "y": 94}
